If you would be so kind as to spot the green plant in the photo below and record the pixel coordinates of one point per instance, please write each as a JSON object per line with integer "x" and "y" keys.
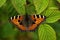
{"x": 46, "y": 30}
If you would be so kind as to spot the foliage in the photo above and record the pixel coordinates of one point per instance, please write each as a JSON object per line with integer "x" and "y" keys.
{"x": 47, "y": 30}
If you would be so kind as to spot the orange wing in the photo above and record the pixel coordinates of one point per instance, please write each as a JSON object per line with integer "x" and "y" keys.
{"x": 17, "y": 20}
{"x": 37, "y": 20}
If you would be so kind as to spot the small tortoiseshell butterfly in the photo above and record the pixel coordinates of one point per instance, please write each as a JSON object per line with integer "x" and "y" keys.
{"x": 27, "y": 22}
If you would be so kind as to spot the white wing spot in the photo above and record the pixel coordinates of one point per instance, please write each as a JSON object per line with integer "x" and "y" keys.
{"x": 11, "y": 18}
{"x": 14, "y": 17}
{"x": 40, "y": 16}
{"x": 35, "y": 16}
{"x": 43, "y": 17}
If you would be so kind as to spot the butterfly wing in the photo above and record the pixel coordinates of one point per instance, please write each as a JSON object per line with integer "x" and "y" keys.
{"x": 17, "y": 20}
{"x": 37, "y": 19}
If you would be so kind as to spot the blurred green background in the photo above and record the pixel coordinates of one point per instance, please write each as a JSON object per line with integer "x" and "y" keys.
{"x": 8, "y": 8}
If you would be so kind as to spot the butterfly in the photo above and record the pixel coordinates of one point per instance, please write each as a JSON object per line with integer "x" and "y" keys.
{"x": 27, "y": 22}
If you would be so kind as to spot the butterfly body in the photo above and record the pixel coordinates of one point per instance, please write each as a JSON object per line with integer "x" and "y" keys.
{"x": 27, "y": 22}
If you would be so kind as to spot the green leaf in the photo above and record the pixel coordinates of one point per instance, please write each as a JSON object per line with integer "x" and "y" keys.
{"x": 49, "y": 11}
{"x": 58, "y": 1}
{"x": 30, "y": 9}
{"x": 53, "y": 3}
{"x": 56, "y": 26}
{"x": 2, "y": 2}
{"x": 19, "y": 5}
{"x": 52, "y": 15}
{"x": 10, "y": 9}
{"x": 46, "y": 32}
{"x": 40, "y": 5}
